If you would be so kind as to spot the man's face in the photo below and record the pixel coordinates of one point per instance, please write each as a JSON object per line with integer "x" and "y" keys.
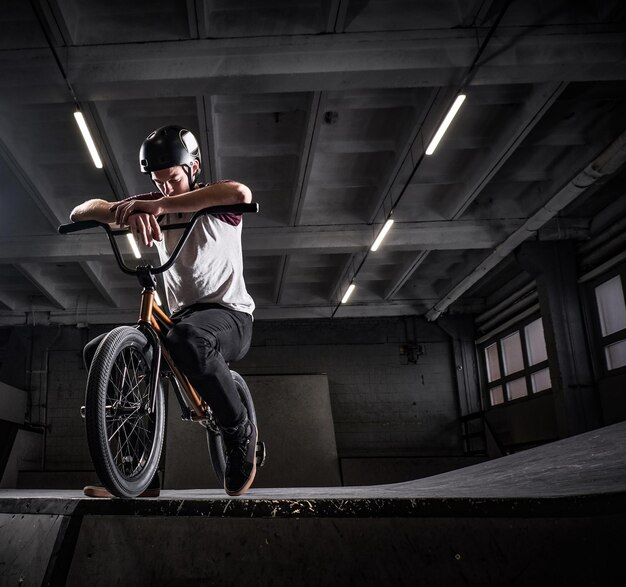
{"x": 171, "y": 181}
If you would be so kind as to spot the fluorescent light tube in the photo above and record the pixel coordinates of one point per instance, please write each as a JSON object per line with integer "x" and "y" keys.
{"x": 382, "y": 234}
{"x": 445, "y": 124}
{"x": 88, "y": 140}
{"x": 133, "y": 246}
{"x": 348, "y": 293}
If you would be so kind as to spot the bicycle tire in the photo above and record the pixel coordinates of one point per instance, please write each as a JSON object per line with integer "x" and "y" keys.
{"x": 117, "y": 417}
{"x": 215, "y": 440}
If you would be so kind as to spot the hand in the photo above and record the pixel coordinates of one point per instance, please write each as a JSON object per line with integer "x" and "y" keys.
{"x": 145, "y": 227}
{"x": 123, "y": 210}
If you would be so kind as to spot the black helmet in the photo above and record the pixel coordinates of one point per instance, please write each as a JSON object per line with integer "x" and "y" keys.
{"x": 168, "y": 146}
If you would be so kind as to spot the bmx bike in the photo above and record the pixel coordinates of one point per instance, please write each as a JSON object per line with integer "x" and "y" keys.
{"x": 124, "y": 407}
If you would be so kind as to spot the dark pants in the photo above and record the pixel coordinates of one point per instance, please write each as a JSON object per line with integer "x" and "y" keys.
{"x": 205, "y": 337}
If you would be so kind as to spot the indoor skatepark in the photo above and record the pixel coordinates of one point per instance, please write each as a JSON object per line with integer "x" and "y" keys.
{"x": 437, "y": 267}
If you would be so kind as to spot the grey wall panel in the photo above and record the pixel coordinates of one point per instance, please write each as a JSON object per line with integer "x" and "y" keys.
{"x": 295, "y": 421}
{"x": 25, "y": 455}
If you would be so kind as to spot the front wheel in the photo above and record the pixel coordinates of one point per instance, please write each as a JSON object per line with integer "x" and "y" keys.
{"x": 217, "y": 450}
{"x": 125, "y": 425}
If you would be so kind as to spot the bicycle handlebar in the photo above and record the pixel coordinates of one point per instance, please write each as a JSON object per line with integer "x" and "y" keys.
{"x": 76, "y": 226}
{"x": 253, "y": 207}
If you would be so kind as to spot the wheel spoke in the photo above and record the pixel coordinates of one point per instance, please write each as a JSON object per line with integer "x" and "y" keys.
{"x": 122, "y": 424}
{"x": 129, "y": 433}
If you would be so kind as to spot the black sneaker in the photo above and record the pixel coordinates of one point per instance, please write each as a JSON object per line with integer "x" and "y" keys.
{"x": 240, "y": 445}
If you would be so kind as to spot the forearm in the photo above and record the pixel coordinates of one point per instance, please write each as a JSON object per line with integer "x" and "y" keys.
{"x": 218, "y": 194}
{"x": 99, "y": 210}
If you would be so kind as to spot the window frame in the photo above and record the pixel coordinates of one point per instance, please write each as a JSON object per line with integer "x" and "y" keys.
{"x": 526, "y": 372}
{"x": 598, "y": 341}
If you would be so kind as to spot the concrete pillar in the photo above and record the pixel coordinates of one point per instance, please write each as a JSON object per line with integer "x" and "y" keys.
{"x": 463, "y": 333}
{"x": 553, "y": 264}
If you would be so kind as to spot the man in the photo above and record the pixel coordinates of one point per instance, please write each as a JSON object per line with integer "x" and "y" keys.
{"x": 205, "y": 288}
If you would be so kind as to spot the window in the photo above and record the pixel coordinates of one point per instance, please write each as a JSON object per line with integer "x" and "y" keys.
{"x": 517, "y": 364}
{"x": 611, "y": 308}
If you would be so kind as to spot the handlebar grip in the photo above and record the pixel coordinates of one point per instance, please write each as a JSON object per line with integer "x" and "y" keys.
{"x": 76, "y": 226}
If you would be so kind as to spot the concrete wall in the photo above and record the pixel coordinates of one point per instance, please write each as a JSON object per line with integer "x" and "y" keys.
{"x": 301, "y": 449}
{"x": 25, "y": 456}
{"x": 51, "y": 361}
{"x": 382, "y": 404}
{"x": 13, "y": 403}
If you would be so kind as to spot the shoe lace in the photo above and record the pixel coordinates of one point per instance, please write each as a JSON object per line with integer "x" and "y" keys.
{"x": 236, "y": 454}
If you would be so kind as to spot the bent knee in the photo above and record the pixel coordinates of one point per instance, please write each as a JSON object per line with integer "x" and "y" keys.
{"x": 189, "y": 348}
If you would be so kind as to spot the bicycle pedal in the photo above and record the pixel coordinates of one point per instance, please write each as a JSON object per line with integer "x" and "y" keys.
{"x": 261, "y": 454}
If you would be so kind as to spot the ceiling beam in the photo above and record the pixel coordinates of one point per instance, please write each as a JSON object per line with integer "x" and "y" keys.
{"x": 541, "y": 98}
{"x": 34, "y": 273}
{"x": 262, "y": 312}
{"x": 316, "y": 105}
{"x": 280, "y": 277}
{"x": 405, "y": 272}
{"x": 273, "y": 64}
{"x": 510, "y": 136}
{"x": 344, "y": 276}
{"x": 57, "y": 249}
{"x": 604, "y": 165}
{"x": 193, "y": 20}
{"x": 51, "y": 16}
{"x": 95, "y": 273}
{"x": 51, "y": 215}
{"x": 205, "y": 109}
{"x": 8, "y": 300}
{"x": 118, "y": 185}
{"x": 409, "y": 155}
{"x": 336, "y": 17}
{"x": 329, "y": 239}
{"x": 406, "y": 160}
{"x": 320, "y": 62}
{"x": 97, "y": 123}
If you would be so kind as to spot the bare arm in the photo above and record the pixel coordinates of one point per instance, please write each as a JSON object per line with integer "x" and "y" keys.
{"x": 217, "y": 194}
{"x": 144, "y": 226}
{"x": 96, "y": 209}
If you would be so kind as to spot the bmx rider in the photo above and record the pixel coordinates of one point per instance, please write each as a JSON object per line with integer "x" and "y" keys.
{"x": 205, "y": 288}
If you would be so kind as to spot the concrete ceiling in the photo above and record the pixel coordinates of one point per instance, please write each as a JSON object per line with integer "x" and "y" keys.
{"x": 324, "y": 109}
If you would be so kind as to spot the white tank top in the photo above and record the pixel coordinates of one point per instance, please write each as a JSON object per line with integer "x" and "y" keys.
{"x": 209, "y": 268}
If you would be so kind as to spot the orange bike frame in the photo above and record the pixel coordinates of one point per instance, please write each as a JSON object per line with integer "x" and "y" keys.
{"x": 151, "y": 314}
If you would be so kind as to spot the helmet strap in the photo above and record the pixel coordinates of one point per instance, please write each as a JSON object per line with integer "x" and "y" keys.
{"x": 192, "y": 180}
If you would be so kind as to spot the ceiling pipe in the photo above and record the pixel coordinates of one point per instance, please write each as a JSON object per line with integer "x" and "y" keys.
{"x": 602, "y": 239}
{"x": 510, "y": 300}
{"x": 511, "y": 311}
{"x": 611, "y": 159}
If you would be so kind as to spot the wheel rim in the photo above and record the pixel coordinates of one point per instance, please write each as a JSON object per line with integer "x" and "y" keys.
{"x": 129, "y": 418}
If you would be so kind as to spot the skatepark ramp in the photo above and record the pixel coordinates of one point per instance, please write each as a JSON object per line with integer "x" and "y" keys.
{"x": 555, "y": 513}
